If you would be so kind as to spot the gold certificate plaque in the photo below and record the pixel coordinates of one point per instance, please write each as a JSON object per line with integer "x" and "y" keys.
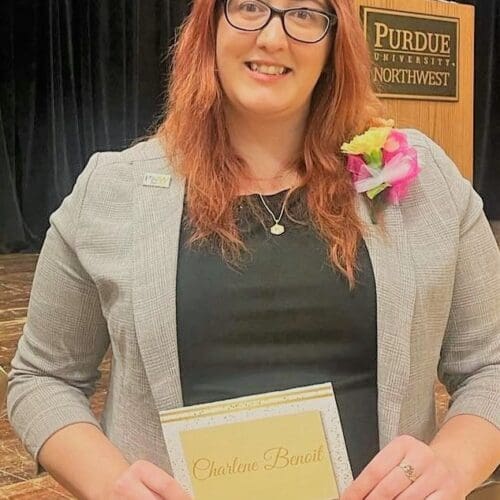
{"x": 285, "y": 445}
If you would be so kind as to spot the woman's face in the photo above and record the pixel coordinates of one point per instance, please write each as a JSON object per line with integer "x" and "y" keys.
{"x": 250, "y": 91}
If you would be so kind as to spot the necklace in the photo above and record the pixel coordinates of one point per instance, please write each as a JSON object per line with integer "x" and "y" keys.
{"x": 278, "y": 228}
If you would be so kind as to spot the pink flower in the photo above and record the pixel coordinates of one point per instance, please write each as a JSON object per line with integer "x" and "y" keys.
{"x": 401, "y": 182}
{"x": 396, "y": 143}
{"x": 358, "y": 168}
{"x": 399, "y": 167}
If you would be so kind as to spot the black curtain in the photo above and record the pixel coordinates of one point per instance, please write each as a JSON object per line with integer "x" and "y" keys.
{"x": 487, "y": 104}
{"x": 77, "y": 76}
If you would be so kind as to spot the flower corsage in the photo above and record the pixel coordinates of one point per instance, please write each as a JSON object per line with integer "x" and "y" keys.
{"x": 381, "y": 161}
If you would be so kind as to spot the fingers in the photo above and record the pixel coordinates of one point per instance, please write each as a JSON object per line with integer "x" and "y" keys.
{"x": 145, "y": 481}
{"x": 397, "y": 481}
{"x": 426, "y": 485}
{"x": 129, "y": 488}
{"x": 406, "y": 469}
{"x": 158, "y": 481}
{"x": 441, "y": 495}
{"x": 391, "y": 486}
{"x": 383, "y": 463}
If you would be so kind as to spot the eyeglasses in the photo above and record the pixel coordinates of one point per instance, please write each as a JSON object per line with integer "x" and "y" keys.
{"x": 302, "y": 24}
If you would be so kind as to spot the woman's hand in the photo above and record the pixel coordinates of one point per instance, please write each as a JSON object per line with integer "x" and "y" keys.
{"x": 406, "y": 469}
{"x": 145, "y": 481}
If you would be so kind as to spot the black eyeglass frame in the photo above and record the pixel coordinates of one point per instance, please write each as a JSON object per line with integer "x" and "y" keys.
{"x": 275, "y": 11}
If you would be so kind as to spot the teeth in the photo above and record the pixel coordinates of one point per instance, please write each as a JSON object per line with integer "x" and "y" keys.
{"x": 267, "y": 70}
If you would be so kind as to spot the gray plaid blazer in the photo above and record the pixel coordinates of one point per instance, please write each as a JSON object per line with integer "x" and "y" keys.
{"x": 107, "y": 276}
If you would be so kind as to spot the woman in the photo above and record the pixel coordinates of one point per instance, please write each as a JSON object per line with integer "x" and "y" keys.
{"x": 256, "y": 266}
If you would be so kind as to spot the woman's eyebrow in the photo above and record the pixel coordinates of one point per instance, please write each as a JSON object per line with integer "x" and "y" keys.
{"x": 320, "y": 3}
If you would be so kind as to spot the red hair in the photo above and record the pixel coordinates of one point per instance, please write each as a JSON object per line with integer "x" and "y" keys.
{"x": 195, "y": 135}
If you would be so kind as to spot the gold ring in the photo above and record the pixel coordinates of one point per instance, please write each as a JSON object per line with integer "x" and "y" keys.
{"x": 409, "y": 471}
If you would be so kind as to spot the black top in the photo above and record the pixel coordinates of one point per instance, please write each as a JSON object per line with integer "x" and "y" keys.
{"x": 286, "y": 319}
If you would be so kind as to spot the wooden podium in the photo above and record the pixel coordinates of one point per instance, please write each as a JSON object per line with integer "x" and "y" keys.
{"x": 423, "y": 52}
{"x": 424, "y": 69}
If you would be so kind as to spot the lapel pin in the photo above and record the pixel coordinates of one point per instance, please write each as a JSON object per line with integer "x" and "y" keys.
{"x": 157, "y": 180}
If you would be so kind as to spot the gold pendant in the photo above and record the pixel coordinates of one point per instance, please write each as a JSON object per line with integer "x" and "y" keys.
{"x": 277, "y": 229}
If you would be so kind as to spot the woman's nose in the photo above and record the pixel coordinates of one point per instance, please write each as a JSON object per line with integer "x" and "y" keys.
{"x": 273, "y": 36}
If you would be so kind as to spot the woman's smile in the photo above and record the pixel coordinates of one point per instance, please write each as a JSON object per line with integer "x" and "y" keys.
{"x": 267, "y": 73}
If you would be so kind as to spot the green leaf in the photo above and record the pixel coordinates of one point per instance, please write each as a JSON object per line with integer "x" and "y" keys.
{"x": 375, "y": 159}
{"x": 377, "y": 190}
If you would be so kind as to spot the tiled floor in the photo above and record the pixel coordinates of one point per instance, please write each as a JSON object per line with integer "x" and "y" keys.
{"x": 17, "y": 471}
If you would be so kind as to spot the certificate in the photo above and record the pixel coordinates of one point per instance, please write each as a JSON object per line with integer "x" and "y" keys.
{"x": 285, "y": 445}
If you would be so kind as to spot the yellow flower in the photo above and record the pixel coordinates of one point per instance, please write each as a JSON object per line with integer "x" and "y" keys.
{"x": 369, "y": 142}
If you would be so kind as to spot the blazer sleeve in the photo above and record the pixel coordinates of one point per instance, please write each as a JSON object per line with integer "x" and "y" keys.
{"x": 55, "y": 368}
{"x": 470, "y": 355}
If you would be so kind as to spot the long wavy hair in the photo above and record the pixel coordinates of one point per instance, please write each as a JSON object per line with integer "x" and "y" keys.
{"x": 196, "y": 138}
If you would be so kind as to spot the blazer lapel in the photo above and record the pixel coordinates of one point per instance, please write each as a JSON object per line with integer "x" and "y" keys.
{"x": 392, "y": 263}
{"x": 158, "y": 215}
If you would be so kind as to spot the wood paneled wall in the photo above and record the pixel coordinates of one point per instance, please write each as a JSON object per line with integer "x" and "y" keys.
{"x": 450, "y": 124}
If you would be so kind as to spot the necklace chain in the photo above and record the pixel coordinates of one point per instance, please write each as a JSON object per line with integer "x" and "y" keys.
{"x": 277, "y": 229}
